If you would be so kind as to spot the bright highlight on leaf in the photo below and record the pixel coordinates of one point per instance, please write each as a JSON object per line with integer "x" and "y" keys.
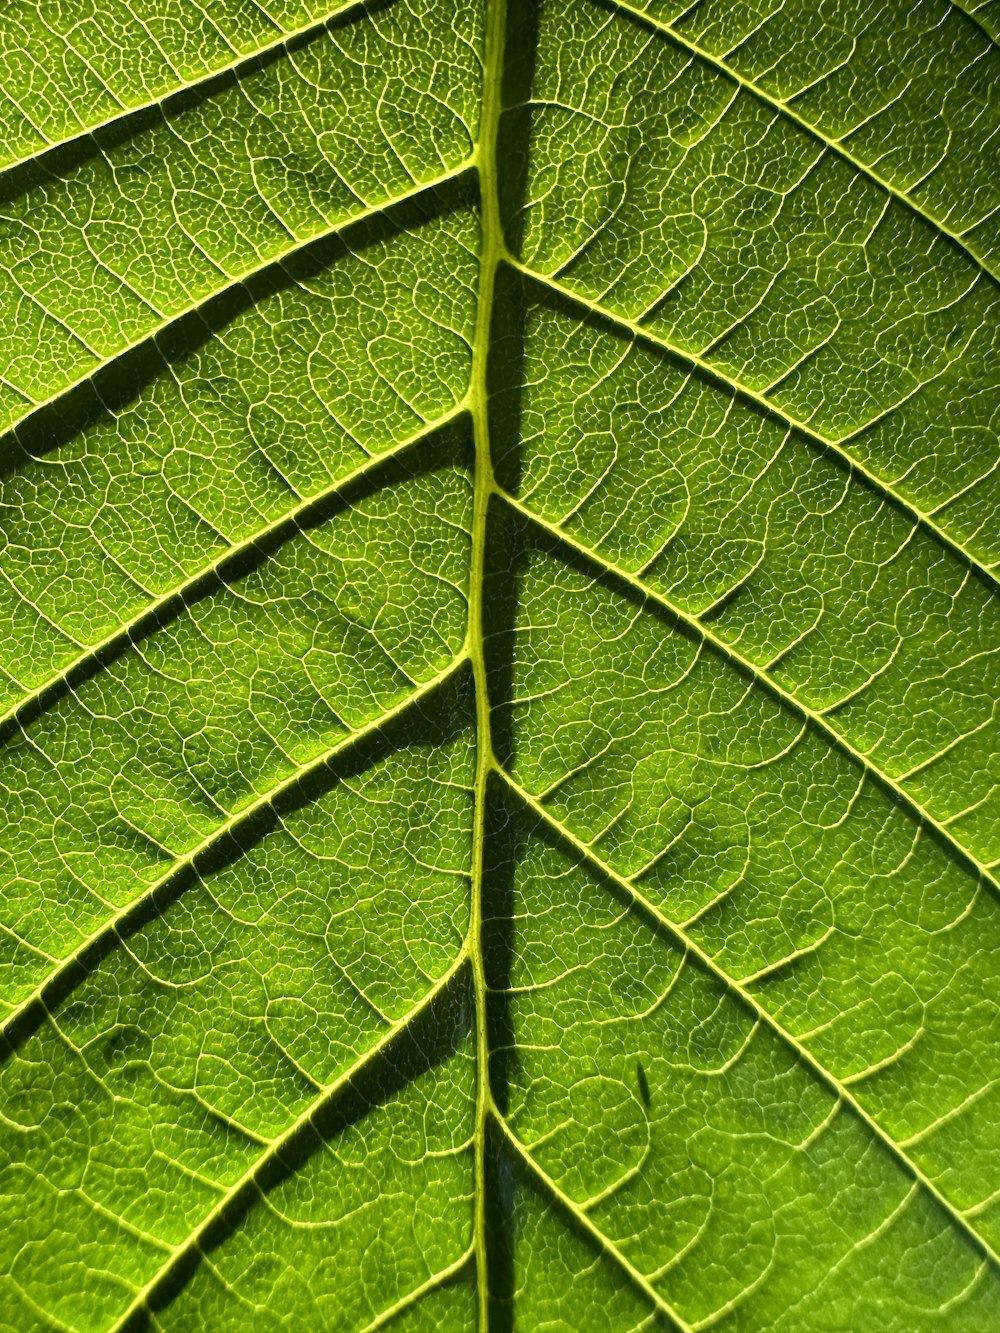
{"x": 499, "y": 739}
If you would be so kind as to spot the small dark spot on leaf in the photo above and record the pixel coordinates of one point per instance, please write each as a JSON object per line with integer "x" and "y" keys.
{"x": 640, "y": 1074}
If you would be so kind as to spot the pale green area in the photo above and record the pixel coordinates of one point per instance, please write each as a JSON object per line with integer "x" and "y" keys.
{"x": 499, "y": 754}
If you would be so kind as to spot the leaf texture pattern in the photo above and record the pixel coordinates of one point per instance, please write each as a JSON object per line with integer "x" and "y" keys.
{"x": 499, "y": 729}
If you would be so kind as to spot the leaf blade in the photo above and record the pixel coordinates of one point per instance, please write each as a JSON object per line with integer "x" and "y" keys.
{"x": 500, "y": 700}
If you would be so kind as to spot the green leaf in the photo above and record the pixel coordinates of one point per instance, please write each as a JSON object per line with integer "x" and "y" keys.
{"x": 499, "y": 563}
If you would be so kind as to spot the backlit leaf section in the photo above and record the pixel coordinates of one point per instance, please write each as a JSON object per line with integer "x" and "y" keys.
{"x": 499, "y": 740}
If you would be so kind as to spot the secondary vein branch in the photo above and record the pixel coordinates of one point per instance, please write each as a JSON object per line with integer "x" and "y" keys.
{"x": 939, "y": 831}
{"x": 651, "y": 913}
{"x": 72, "y": 969}
{"x": 203, "y": 582}
{"x": 345, "y": 228}
{"x": 238, "y": 67}
{"x": 837, "y": 450}
{"x": 249, "y": 1184}
{"x": 606, "y": 1246}
{"x": 640, "y": 18}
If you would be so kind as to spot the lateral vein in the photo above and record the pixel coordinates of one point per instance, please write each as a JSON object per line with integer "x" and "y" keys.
{"x": 203, "y": 582}
{"x": 184, "y": 87}
{"x": 831, "y": 448}
{"x": 641, "y": 19}
{"x": 248, "y": 1182}
{"x": 941, "y": 833}
{"x": 604, "y": 1244}
{"x": 339, "y": 228}
{"x": 118, "y": 925}
{"x": 648, "y": 910}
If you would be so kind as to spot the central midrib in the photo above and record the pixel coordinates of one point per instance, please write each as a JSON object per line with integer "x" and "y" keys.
{"x": 492, "y": 249}
{"x": 494, "y": 252}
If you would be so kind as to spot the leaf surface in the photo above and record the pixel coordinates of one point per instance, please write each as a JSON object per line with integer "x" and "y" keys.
{"x": 498, "y": 699}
